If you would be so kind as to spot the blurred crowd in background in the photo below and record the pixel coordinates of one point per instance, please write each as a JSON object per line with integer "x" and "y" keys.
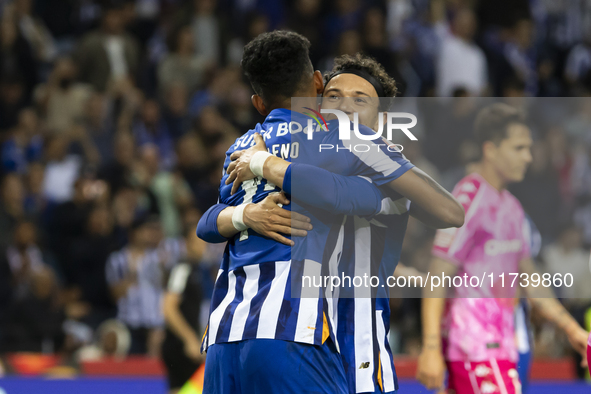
{"x": 115, "y": 117}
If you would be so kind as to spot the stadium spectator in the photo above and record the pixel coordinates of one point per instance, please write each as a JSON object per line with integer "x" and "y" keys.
{"x": 34, "y": 31}
{"x": 170, "y": 190}
{"x": 206, "y": 30}
{"x": 62, "y": 99}
{"x": 12, "y": 100}
{"x": 134, "y": 276}
{"x": 17, "y": 58}
{"x": 112, "y": 340}
{"x": 461, "y": 63}
{"x": 89, "y": 252}
{"x": 522, "y": 56}
{"x": 117, "y": 171}
{"x": 24, "y": 259}
{"x": 12, "y": 209}
{"x": 63, "y": 168}
{"x": 152, "y": 129}
{"x": 175, "y": 111}
{"x": 182, "y": 66}
{"x": 35, "y": 320}
{"x": 25, "y": 144}
{"x": 567, "y": 256}
{"x": 109, "y": 54}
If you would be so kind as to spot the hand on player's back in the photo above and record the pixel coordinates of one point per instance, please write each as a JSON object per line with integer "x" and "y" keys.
{"x": 239, "y": 168}
{"x": 269, "y": 219}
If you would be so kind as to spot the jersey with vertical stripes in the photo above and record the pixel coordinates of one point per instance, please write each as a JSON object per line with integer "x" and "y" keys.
{"x": 253, "y": 295}
{"x": 140, "y": 307}
{"x": 372, "y": 246}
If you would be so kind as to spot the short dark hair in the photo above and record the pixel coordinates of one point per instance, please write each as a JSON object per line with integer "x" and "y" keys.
{"x": 369, "y": 65}
{"x": 492, "y": 122}
{"x": 276, "y": 64}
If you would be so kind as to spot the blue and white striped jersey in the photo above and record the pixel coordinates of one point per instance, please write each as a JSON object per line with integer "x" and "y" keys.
{"x": 372, "y": 247}
{"x": 141, "y": 306}
{"x": 253, "y": 294}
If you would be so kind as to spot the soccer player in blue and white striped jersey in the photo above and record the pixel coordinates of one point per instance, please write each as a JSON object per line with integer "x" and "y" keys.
{"x": 373, "y": 316}
{"x": 255, "y": 322}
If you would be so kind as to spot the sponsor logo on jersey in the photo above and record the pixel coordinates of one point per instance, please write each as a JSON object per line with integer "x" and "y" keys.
{"x": 495, "y": 247}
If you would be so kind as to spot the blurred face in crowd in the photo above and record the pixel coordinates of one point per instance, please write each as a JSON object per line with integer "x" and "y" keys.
{"x": 352, "y": 94}
{"x": 258, "y": 25}
{"x": 511, "y": 157}
{"x": 153, "y": 233}
{"x": 464, "y": 24}
{"x": 190, "y": 151}
{"x": 151, "y": 159}
{"x": 185, "y": 45}
{"x": 65, "y": 72}
{"x": 347, "y": 6}
{"x": 204, "y": 7}
{"x": 57, "y": 148}
{"x": 540, "y": 157}
{"x": 43, "y": 283}
{"x": 27, "y": 124}
{"x": 35, "y": 175}
{"x": 523, "y": 33}
{"x": 12, "y": 92}
{"x": 148, "y": 235}
{"x": 176, "y": 99}
{"x": 113, "y": 21}
{"x": 150, "y": 112}
{"x": 124, "y": 148}
{"x": 96, "y": 109}
{"x": 109, "y": 342}
{"x": 13, "y": 191}
{"x": 100, "y": 221}
{"x": 25, "y": 235}
{"x": 23, "y": 7}
{"x": 349, "y": 43}
{"x": 374, "y": 28}
{"x": 571, "y": 238}
{"x": 308, "y": 8}
{"x": 8, "y": 33}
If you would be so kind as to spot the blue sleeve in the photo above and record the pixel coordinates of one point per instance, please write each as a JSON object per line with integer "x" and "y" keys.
{"x": 351, "y": 195}
{"x": 378, "y": 159}
{"x": 207, "y": 229}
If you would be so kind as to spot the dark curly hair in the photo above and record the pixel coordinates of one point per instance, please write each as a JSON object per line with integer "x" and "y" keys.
{"x": 370, "y": 66}
{"x": 277, "y": 64}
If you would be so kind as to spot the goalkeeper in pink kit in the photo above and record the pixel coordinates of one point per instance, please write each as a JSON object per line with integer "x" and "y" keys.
{"x": 471, "y": 333}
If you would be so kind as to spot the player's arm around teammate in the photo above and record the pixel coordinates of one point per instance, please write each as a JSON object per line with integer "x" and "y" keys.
{"x": 430, "y": 202}
{"x": 265, "y": 217}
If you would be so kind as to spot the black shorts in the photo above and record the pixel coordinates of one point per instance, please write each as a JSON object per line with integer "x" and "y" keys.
{"x": 179, "y": 367}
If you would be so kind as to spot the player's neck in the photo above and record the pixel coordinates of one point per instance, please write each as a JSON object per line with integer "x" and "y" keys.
{"x": 299, "y": 104}
{"x": 491, "y": 176}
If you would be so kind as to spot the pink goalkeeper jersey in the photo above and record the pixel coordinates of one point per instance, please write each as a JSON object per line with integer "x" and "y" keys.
{"x": 492, "y": 240}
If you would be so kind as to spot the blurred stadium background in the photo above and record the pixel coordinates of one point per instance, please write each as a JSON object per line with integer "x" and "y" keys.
{"x": 114, "y": 110}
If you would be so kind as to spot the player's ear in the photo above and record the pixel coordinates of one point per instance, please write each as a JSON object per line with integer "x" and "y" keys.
{"x": 257, "y": 102}
{"x": 489, "y": 150}
{"x": 318, "y": 82}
